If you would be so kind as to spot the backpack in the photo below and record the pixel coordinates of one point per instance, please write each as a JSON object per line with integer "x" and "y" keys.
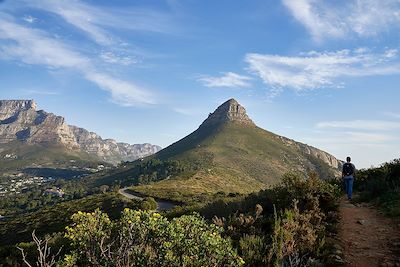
{"x": 348, "y": 169}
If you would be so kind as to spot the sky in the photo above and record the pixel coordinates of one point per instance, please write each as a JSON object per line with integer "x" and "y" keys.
{"x": 325, "y": 73}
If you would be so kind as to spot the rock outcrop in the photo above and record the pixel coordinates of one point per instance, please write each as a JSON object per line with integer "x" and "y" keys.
{"x": 19, "y": 120}
{"x": 315, "y": 152}
{"x": 109, "y": 149}
{"x": 229, "y": 111}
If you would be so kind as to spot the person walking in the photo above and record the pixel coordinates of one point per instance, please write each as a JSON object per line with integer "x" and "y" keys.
{"x": 348, "y": 174}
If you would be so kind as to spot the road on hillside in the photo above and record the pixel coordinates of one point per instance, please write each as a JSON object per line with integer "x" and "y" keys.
{"x": 368, "y": 238}
{"x": 161, "y": 204}
{"x": 123, "y": 191}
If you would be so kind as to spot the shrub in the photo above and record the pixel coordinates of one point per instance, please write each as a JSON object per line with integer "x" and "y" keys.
{"x": 296, "y": 235}
{"x": 143, "y": 238}
{"x": 252, "y": 249}
{"x": 148, "y": 203}
{"x": 284, "y": 225}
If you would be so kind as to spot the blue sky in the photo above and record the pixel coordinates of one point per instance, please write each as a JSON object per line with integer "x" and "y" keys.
{"x": 325, "y": 73}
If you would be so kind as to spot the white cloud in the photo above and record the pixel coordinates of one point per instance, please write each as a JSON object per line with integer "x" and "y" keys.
{"x": 38, "y": 47}
{"x": 360, "y": 125}
{"x": 76, "y": 13}
{"x": 229, "y": 79}
{"x": 360, "y": 17}
{"x": 352, "y": 138}
{"x": 321, "y": 69}
{"x": 391, "y": 53}
{"x": 114, "y": 58}
{"x": 33, "y": 46}
{"x": 317, "y": 21}
{"x": 366, "y": 141}
{"x": 361, "y": 137}
{"x": 123, "y": 93}
{"x": 29, "y": 19}
{"x": 94, "y": 21}
{"x": 365, "y": 149}
{"x": 365, "y": 146}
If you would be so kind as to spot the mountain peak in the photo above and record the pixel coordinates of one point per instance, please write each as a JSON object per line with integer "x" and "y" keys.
{"x": 19, "y": 121}
{"x": 9, "y": 108}
{"x": 18, "y": 104}
{"x": 229, "y": 111}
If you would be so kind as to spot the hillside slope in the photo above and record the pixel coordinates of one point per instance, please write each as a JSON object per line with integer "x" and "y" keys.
{"x": 18, "y": 155}
{"x": 229, "y": 153}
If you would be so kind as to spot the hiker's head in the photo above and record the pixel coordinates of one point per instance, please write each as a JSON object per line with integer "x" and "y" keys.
{"x": 348, "y": 159}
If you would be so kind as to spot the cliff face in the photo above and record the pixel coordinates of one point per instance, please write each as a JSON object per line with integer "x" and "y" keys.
{"x": 315, "y": 152}
{"x": 109, "y": 149}
{"x": 230, "y": 111}
{"x": 19, "y": 120}
{"x": 9, "y": 109}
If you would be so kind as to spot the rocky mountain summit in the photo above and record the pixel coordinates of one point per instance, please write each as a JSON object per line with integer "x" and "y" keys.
{"x": 20, "y": 121}
{"x": 229, "y": 111}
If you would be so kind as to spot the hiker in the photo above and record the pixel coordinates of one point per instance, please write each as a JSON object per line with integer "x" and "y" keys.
{"x": 348, "y": 174}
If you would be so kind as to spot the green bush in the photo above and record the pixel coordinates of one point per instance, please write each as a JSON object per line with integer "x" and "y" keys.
{"x": 296, "y": 235}
{"x": 143, "y": 238}
{"x": 381, "y": 185}
{"x": 252, "y": 249}
{"x": 148, "y": 203}
{"x": 282, "y": 226}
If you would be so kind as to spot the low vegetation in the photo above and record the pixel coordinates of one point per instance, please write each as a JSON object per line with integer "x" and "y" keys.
{"x": 382, "y": 186}
{"x": 282, "y": 226}
{"x": 54, "y": 218}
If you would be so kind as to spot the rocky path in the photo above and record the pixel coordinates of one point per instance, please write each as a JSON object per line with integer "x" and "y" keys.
{"x": 367, "y": 237}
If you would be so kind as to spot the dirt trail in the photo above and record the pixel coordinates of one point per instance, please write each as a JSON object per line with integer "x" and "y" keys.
{"x": 367, "y": 237}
